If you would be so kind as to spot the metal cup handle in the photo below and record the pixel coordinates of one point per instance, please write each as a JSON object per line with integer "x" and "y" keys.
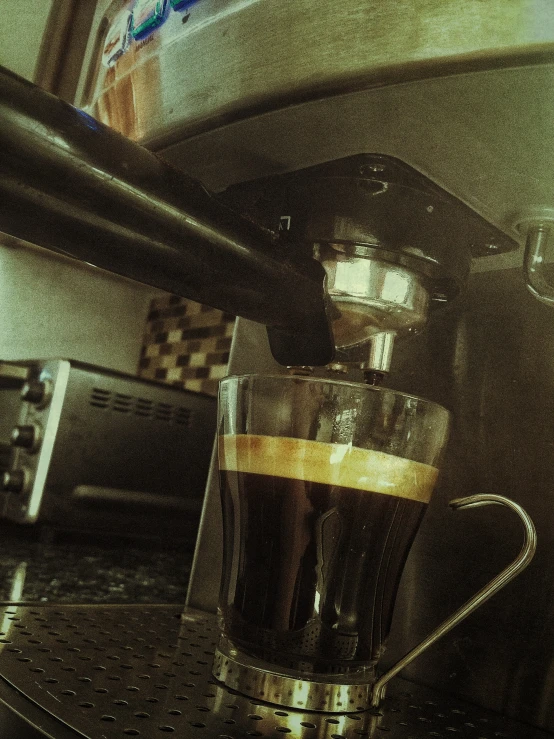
{"x": 518, "y": 565}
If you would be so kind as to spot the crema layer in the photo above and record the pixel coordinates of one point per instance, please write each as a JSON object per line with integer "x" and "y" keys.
{"x": 330, "y": 464}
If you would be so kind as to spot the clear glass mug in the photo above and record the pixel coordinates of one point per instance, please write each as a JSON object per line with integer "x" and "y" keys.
{"x": 324, "y": 485}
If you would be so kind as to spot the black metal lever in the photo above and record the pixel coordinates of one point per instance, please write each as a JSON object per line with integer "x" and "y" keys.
{"x": 73, "y": 185}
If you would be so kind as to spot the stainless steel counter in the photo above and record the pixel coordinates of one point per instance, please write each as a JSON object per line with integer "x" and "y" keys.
{"x": 145, "y": 671}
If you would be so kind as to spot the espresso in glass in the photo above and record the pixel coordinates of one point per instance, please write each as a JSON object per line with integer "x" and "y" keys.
{"x": 323, "y": 487}
{"x": 325, "y": 530}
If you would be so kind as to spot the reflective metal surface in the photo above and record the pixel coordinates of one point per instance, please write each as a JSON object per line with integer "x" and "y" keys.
{"x": 115, "y": 672}
{"x": 537, "y": 226}
{"x": 489, "y": 360}
{"x": 372, "y": 296}
{"x": 272, "y": 55}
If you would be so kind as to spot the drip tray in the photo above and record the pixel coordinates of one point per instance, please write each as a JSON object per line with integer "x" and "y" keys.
{"x": 136, "y": 671}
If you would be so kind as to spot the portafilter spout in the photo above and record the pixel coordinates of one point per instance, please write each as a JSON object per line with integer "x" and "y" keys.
{"x": 72, "y": 185}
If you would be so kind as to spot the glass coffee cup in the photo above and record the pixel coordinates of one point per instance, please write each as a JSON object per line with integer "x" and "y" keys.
{"x": 324, "y": 485}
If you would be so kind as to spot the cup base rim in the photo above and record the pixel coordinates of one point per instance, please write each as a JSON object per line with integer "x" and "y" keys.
{"x": 265, "y": 682}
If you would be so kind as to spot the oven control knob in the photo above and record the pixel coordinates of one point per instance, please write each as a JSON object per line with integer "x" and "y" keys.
{"x": 36, "y": 392}
{"x": 26, "y": 437}
{"x": 14, "y": 481}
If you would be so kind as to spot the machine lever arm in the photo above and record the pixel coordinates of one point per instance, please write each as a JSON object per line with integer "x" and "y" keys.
{"x": 73, "y": 185}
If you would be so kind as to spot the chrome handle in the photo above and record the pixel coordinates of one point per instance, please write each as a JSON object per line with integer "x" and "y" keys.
{"x": 518, "y": 565}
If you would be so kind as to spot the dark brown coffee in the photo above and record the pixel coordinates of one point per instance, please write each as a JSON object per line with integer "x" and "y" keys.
{"x": 312, "y": 567}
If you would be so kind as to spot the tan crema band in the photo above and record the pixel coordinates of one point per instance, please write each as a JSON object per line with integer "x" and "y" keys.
{"x": 331, "y": 464}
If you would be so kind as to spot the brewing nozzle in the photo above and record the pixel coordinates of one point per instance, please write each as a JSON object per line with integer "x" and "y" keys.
{"x": 537, "y": 224}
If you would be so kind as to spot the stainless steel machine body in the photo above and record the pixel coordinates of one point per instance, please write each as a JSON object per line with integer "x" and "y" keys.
{"x": 461, "y": 92}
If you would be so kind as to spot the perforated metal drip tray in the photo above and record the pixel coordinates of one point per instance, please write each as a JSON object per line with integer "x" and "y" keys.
{"x": 121, "y": 671}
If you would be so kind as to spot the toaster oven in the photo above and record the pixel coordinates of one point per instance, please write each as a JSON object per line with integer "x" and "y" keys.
{"x": 83, "y": 447}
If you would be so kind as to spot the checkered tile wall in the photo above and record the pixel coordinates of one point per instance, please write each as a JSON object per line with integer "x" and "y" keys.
{"x": 186, "y": 344}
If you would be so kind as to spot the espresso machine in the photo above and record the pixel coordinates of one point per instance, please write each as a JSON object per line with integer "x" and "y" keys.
{"x": 373, "y": 181}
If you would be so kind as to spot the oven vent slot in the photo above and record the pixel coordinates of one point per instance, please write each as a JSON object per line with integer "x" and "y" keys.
{"x": 142, "y": 407}
{"x": 122, "y": 403}
{"x": 100, "y": 398}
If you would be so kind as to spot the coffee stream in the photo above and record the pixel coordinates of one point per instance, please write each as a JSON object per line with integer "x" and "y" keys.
{"x": 312, "y": 585}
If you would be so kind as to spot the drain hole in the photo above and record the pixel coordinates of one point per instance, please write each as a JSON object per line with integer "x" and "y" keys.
{"x": 198, "y": 725}
{"x": 68, "y": 692}
{"x": 174, "y": 712}
{"x": 142, "y": 714}
{"x": 307, "y": 725}
{"x": 86, "y": 705}
{"x": 107, "y": 718}
{"x": 131, "y": 732}
{"x": 152, "y": 700}
{"x": 120, "y": 703}
{"x": 170, "y": 728}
